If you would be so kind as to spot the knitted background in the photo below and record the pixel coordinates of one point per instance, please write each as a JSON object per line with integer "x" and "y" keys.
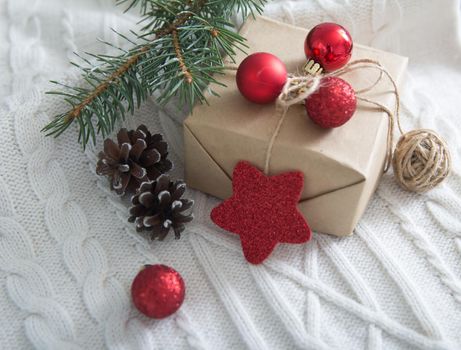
{"x": 67, "y": 255}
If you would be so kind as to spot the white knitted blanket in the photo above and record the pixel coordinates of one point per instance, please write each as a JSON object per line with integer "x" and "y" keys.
{"x": 68, "y": 256}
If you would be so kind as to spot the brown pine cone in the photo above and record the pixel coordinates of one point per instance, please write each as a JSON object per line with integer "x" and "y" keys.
{"x": 138, "y": 157}
{"x": 158, "y": 206}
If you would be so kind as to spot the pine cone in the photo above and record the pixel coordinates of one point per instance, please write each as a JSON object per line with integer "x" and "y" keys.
{"x": 138, "y": 157}
{"x": 157, "y": 207}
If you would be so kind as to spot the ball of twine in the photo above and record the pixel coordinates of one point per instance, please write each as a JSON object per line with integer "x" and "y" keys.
{"x": 421, "y": 160}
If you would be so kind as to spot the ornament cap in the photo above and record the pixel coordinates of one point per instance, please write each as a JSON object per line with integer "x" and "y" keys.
{"x": 312, "y": 68}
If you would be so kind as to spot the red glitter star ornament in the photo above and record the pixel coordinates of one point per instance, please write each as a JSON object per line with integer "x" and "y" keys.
{"x": 263, "y": 211}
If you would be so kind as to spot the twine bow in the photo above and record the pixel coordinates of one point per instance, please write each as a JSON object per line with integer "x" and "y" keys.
{"x": 295, "y": 90}
{"x": 421, "y": 159}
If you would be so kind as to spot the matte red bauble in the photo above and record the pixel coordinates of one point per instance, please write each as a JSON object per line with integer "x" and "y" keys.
{"x": 333, "y": 104}
{"x": 330, "y": 45}
{"x": 260, "y": 77}
{"x": 158, "y": 291}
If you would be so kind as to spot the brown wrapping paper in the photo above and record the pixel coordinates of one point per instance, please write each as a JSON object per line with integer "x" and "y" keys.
{"x": 341, "y": 166}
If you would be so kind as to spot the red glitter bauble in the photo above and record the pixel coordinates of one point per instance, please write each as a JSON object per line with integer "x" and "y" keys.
{"x": 158, "y": 291}
{"x": 333, "y": 104}
{"x": 260, "y": 77}
{"x": 330, "y": 45}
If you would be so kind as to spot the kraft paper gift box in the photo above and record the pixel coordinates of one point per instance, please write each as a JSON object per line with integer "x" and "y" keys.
{"x": 341, "y": 166}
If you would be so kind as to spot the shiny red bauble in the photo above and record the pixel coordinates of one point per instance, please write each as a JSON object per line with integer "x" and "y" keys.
{"x": 158, "y": 291}
{"x": 260, "y": 77}
{"x": 333, "y": 104}
{"x": 330, "y": 45}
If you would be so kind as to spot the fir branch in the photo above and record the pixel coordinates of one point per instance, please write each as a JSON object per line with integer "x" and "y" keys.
{"x": 75, "y": 112}
{"x": 179, "y": 56}
{"x": 182, "y": 47}
{"x": 133, "y": 59}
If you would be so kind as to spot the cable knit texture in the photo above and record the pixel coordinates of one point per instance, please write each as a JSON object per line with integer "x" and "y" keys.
{"x": 68, "y": 254}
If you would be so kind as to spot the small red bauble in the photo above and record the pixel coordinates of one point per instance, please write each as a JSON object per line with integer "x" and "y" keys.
{"x": 260, "y": 77}
{"x": 333, "y": 104}
{"x": 158, "y": 291}
{"x": 330, "y": 45}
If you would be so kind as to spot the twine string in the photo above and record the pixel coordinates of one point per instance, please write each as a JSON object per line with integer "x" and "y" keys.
{"x": 298, "y": 88}
{"x": 295, "y": 90}
{"x": 421, "y": 159}
{"x": 373, "y": 64}
{"x": 393, "y": 117}
{"x": 390, "y": 130}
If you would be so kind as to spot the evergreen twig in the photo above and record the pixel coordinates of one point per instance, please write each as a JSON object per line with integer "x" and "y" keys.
{"x": 182, "y": 45}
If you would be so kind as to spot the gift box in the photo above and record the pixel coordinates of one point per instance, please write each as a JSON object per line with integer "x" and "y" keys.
{"x": 341, "y": 166}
